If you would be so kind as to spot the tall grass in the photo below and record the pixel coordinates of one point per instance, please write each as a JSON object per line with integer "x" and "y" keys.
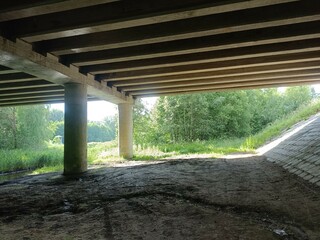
{"x": 277, "y": 127}
{"x": 23, "y": 159}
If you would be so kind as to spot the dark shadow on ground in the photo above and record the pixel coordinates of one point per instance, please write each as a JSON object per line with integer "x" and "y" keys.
{"x": 244, "y": 198}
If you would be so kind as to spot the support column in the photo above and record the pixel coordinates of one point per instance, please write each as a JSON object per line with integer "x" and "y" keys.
{"x": 75, "y": 129}
{"x": 125, "y": 134}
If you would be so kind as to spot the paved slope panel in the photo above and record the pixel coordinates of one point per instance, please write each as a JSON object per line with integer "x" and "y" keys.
{"x": 300, "y": 153}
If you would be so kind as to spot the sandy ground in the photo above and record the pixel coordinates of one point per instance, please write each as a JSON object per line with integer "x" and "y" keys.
{"x": 244, "y": 198}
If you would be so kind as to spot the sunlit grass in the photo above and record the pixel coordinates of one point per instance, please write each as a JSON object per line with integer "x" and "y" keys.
{"x": 46, "y": 169}
{"x": 22, "y": 159}
{"x": 279, "y": 126}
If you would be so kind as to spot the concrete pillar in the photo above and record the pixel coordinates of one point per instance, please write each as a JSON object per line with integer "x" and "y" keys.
{"x": 125, "y": 134}
{"x": 75, "y": 129}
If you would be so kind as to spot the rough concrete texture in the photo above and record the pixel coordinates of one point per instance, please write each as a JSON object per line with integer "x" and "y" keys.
{"x": 299, "y": 153}
{"x": 247, "y": 198}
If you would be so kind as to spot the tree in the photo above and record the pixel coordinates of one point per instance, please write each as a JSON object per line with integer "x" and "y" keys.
{"x": 24, "y": 127}
{"x": 32, "y": 124}
{"x": 216, "y": 115}
{"x": 8, "y": 128}
{"x": 296, "y": 96}
{"x": 142, "y": 131}
{"x": 56, "y": 115}
{"x": 101, "y": 131}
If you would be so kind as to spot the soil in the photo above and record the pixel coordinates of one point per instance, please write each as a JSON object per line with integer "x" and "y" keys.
{"x": 243, "y": 198}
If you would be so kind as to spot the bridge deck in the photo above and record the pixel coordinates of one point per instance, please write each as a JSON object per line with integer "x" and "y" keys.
{"x": 125, "y": 49}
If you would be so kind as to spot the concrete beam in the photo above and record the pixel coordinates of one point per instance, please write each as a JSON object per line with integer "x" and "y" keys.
{"x": 272, "y": 85}
{"x": 120, "y": 15}
{"x": 238, "y": 21}
{"x": 218, "y": 86}
{"x": 75, "y": 129}
{"x": 239, "y": 72}
{"x": 217, "y": 66}
{"x": 125, "y": 130}
{"x": 32, "y": 8}
{"x": 311, "y": 74}
{"x": 20, "y": 56}
{"x": 308, "y": 45}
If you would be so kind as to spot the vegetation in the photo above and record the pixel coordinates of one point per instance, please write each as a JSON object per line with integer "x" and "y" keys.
{"x": 280, "y": 125}
{"x": 24, "y": 159}
{"x": 216, "y": 123}
{"x": 212, "y": 116}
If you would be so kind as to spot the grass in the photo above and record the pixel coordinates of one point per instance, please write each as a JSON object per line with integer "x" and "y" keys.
{"x": 23, "y": 159}
{"x": 214, "y": 148}
{"x": 279, "y": 126}
{"x": 51, "y": 158}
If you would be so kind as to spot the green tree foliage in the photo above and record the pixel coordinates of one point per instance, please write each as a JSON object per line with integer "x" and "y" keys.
{"x": 215, "y": 115}
{"x": 56, "y": 115}
{"x": 8, "y": 128}
{"x": 102, "y": 131}
{"x": 296, "y": 96}
{"x": 143, "y": 125}
{"x": 97, "y": 131}
{"x": 177, "y": 118}
{"x": 24, "y": 127}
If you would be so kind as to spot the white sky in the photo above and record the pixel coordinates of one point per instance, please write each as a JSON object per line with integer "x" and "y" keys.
{"x": 98, "y": 110}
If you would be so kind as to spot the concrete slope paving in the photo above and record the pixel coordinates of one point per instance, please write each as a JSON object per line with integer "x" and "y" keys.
{"x": 298, "y": 150}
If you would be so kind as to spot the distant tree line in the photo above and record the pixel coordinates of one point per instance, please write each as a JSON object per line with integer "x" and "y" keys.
{"x": 215, "y": 115}
{"x": 98, "y": 131}
{"x": 33, "y": 126}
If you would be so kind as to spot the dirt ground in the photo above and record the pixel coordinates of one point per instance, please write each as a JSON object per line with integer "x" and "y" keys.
{"x": 245, "y": 198}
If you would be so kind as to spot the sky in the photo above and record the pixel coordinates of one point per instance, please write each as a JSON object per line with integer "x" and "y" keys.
{"x": 98, "y": 110}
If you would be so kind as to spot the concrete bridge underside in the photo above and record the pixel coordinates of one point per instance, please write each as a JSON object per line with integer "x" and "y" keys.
{"x": 116, "y": 50}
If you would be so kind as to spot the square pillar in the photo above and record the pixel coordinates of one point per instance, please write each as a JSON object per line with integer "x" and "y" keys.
{"x": 75, "y": 129}
{"x": 125, "y": 134}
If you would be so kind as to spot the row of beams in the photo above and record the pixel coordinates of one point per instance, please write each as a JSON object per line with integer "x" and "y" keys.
{"x": 37, "y": 100}
{"x": 216, "y": 66}
{"x": 26, "y": 84}
{"x": 16, "y": 77}
{"x": 33, "y": 100}
{"x": 11, "y": 10}
{"x": 250, "y": 38}
{"x": 119, "y": 15}
{"x": 204, "y": 57}
{"x": 196, "y": 27}
{"x": 31, "y": 96}
{"x": 314, "y": 79}
{"x": 258, "y": 77}
{"x": 33, "y": 90}
{"x": 20, "y": 56}
{"x": 231, "y": 89}
{"x": 6, "y": 70}
{"x": 269, "y": 69}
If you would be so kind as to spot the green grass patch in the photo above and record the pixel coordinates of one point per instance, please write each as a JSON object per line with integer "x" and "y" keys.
{"x": 22, "y": 159}
{"x": 46, "y": 169}
{"x": 276, "y": 128}
{"x": 214, "y": 148}
{"x": 102, "y": 152}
